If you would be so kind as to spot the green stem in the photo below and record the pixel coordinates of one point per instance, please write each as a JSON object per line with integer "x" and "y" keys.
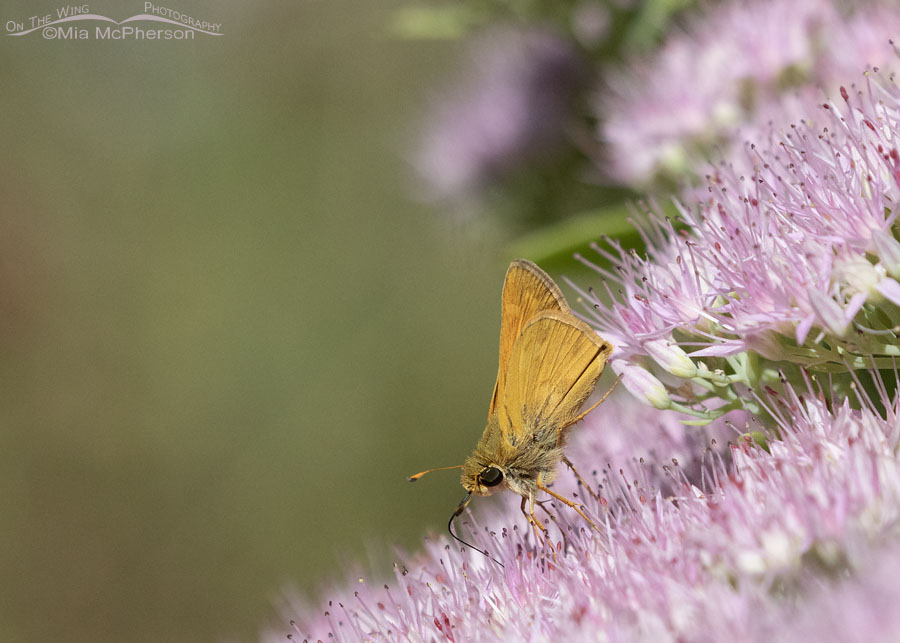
{"x": 705, "y": 414}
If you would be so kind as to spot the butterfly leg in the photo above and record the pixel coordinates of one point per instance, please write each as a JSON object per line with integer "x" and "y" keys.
{"x": 568, "y": 502}
{"x": 537, "y": 523}
{"x": 539, "y": 529}
{"x": 580, "y": 479}
{"x": 594, "y": 406}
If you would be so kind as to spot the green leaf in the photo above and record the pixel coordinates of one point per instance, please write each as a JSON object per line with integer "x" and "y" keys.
{"x": 422, "y": 22}
{"x": 574, "y": 234}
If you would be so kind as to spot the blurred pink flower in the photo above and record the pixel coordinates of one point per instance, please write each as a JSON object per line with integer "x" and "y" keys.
{"x": 732, "y": 75}
{"x": 512, "y": 113}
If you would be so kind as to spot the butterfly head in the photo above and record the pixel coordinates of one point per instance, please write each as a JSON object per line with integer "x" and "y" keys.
{"x": 482, "y": 478}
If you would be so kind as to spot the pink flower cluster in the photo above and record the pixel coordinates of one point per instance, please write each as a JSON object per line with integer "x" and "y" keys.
{"x": 731, "y": 74}
{"x": 795, "y": 262}
{"x": 738, "y": 545}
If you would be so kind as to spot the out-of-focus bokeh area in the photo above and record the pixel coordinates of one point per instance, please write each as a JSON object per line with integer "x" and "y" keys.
{"x": 228, "y": 333}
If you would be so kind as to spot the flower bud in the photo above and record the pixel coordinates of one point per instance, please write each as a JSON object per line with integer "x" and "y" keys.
{"x": 829, "y": 313}
{"x": 856, "y": 274}
{"x": 671, "y": 358}
{"x": 765, "y": 343}
{"x": 642, "y": 384}
{"x": 890, "y": 289}
{"x": 888, "y": 250}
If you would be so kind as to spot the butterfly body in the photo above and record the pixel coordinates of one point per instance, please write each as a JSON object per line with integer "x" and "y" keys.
{"x": 549, "y": 365}
{"x": 550, "y": 362}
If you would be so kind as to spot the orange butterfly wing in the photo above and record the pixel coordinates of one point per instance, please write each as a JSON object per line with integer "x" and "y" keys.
{"x": 527, "y": 290}
{"x": 553, "y": 369}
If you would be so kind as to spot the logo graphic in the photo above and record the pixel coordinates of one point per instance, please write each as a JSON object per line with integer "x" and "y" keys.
{"x": 71, "y": 22}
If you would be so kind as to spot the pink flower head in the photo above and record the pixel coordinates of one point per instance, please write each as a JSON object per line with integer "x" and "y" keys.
{"x": 773, "y": 262}
{"x": 719, "y": 554}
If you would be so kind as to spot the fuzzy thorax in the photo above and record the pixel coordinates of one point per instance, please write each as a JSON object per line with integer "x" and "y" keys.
{"x": 524, "y": 460}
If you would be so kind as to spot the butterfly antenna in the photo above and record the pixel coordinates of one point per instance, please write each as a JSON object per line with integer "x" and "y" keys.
{"x": 415, "y": 477}
{"x": 459, "y": 510}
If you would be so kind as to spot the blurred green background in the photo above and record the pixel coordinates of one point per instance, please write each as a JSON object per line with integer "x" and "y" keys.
{"x": 227, "y": 332}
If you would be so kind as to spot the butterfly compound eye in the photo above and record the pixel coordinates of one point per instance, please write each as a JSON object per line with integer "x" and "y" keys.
{"x": 491, "y": 477}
